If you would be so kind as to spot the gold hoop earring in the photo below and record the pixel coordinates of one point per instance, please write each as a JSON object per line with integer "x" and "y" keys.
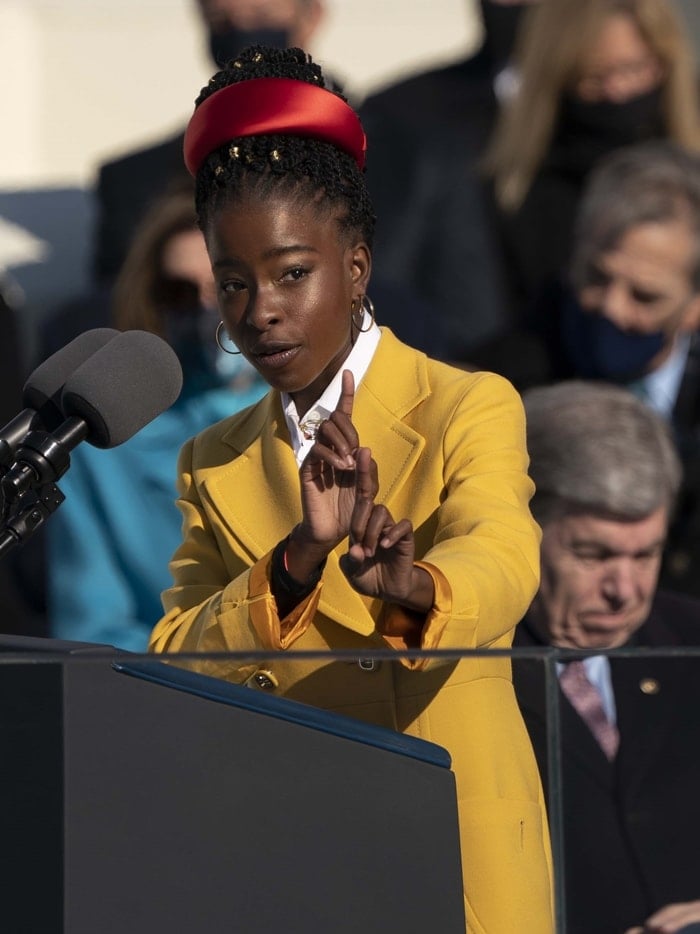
{"x": 219, "y": 328}
{"x": 366, "y": 308}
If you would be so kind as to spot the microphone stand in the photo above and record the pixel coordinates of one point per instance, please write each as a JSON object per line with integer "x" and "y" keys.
{"x": 28, "y": 491}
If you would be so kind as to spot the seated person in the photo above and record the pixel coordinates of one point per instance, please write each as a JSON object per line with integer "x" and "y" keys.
{"x": 606, "y": 476}
{"x": 110, "y": 541}
{"x": 628, "y": 312}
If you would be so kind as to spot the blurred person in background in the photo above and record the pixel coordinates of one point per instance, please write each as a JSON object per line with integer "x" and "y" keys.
{"x": 434, "y": 236}
{"x": 462, "y": 95}
{"x": 128, "y": 185}
{"x": 593, "y": 77}
{"x": 628, "y": 310}
{"x": 125, "y": 186}
{"x": 110, "y": 542}
{"x": 606, "y": 475}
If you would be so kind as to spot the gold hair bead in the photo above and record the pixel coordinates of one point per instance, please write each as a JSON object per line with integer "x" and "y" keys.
{"x": 219, "y": 170}
{"x": 275, "y": 155}
{"x": 257, "y": 57}
{"x": 234, "y": 152}
{"x": 237, "y": 64}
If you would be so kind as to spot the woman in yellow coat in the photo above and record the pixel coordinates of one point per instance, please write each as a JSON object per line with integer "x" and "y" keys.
{"x": 373, "y": 499}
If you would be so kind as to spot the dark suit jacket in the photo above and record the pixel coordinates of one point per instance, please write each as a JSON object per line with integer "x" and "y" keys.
{"x": 681, "y": 570}
{"x": 125, "y": 189}
{"x": 632, "y": 828}
{"x": 434, "y": 236}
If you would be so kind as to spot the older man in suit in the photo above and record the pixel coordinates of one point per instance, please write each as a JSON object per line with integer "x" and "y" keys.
{"x": 627, "y": 311}
{"x": 607, "y": 475}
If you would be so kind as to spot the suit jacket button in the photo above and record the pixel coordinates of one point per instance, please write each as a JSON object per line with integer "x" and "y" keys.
{"x": 649, "y": 686}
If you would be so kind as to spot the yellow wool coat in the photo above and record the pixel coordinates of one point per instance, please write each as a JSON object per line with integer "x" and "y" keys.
{"x": 450, "y": 447}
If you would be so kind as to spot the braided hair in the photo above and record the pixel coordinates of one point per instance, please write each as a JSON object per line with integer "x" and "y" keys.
{"x": 303, "y": 168}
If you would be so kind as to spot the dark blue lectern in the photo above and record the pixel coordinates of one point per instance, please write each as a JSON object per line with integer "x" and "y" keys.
{"x": 138, "y": 797}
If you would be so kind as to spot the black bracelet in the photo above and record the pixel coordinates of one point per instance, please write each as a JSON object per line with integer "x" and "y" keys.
{"x": 284, "y": 582}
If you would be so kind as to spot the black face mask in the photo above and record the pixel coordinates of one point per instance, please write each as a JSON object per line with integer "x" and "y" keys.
{"x": 501, "y": 25}
{"x": 190, "y": 332}
{"x": 226, "y": 45}
{"x": 588, "y": 131}
{"x": 600, "y": 350}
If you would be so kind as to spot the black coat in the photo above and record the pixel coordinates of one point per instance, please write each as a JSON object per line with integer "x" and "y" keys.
{"x": 434, "y": 235}
{"x": 632, "y": 828}
{"x": 126, "y": 187}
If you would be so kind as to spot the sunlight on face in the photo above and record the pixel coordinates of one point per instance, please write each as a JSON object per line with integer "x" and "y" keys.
{"x": 286, "y": 280}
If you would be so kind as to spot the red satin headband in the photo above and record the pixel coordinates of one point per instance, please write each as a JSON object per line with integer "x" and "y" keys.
{"x": 263, "y": 106}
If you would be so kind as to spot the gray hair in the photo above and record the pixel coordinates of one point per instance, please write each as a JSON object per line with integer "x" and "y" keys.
{"x": 652, "y": 182}
{"x": 597, "y": 447}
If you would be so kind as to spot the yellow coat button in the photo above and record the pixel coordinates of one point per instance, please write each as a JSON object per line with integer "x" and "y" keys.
{"x": 262, "y": 679}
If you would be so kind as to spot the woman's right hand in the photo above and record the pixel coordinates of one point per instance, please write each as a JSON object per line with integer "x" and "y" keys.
{"x": 328, "y": 487}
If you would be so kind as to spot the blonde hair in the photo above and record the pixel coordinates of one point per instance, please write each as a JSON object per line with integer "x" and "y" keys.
{"x": 554, "y": 37}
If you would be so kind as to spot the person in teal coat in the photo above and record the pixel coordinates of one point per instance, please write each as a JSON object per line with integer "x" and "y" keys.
{"x": 110, "y": 541}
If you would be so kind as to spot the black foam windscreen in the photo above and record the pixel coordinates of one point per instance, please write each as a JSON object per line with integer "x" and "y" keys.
{"x": 123, "y": 387}
{"x": 43, "y": 388}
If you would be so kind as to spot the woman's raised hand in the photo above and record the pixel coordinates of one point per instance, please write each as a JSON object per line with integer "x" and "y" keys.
{"x": 379, "y": 560}
{"x": 327, "y": 487}
{"x": 328, "y": 475}
{"x": 339, "y": 485}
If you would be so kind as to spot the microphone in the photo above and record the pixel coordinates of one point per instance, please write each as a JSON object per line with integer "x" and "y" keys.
{"x": 42, "y": 391}
{"x": 117, "y": 391}
{"x": 123, "y": 387}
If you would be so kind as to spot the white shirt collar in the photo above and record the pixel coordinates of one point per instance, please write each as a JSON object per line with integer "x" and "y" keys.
{"x": 661, "y": 387}
{"x": 357, "y": 361}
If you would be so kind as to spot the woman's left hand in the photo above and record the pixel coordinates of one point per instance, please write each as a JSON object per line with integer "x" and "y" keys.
{"x": 379, "y": 560}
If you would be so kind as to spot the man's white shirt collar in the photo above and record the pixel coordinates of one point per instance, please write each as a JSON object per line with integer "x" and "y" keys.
{"x": 661, "y": 387}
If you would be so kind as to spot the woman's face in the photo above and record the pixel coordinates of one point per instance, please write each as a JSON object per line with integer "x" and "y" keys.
{"x": 619, "y": 66}
{"x": 286, "y": 279}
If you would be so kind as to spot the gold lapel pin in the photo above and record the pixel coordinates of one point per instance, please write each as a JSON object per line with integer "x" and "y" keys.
{"x": 649, "y": 686}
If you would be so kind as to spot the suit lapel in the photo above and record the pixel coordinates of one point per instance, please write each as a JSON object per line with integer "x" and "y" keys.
{"x": 240, "y": 489}
{"x": 577, "y": 741}
{"x": 646, "y": 698}
{"x": 686, "y": 412}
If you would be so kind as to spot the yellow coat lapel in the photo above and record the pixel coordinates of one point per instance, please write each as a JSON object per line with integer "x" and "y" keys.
{"x": 257, "y": 492}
